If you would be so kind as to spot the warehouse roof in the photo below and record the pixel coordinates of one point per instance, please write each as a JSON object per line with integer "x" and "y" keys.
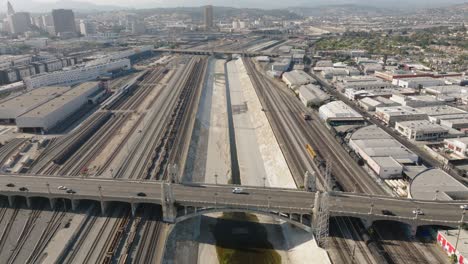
{"x": 339, "y": 110}
{"x": 440, "y": 110}
{"x": 375, "y": 142}
{"x": 313, "y": 92}
{"x": 398, "y": 110}
{"x": 33, "y": 98}
{"x": 60, "y": 101}
{"x": 297, "y": 77}
{"x": 425, "y": 185}
{"x": 422, "y": 125}
{"x": 370, "y": 132}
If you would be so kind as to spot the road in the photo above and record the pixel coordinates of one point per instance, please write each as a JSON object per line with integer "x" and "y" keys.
{"x": 288, "y": 200}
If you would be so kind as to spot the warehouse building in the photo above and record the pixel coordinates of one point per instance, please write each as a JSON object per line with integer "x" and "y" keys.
{"x": 437, "y": 112}
{"x": 458, "y": 145}
{"x": 418, "y": 81}
{"x": 416, "y": 100}
{"x": 460, "y": 124}
{"x": 382, "y": 153}
{"x": 392, "y": 114}
{"x": 421, "y": 130}
{"x": 294, "y": 79}
{"x": 77, "y": 75}
{"x": 370, "y": 104}
{"x": 311, "y": 95}
{"x": 337, "y": 112}
{"x": 425, "y": 185}
{"x": 47, "y": 115}
{"x": 11, "y": 109}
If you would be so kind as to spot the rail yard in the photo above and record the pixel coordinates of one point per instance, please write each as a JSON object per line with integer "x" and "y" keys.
{"x": 143, "y": 130}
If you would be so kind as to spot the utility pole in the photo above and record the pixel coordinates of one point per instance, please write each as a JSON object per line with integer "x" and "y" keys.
{"x": 459, "y": 230}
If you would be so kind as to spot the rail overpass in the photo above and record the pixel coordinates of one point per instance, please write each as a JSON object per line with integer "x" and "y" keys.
{"x": 181, "y": 201}
{"x": 218, "y": 51}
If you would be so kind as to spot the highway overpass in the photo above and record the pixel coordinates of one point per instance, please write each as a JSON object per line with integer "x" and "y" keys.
{"x": 218, "y": 51}
{"x": 180, "y": 201}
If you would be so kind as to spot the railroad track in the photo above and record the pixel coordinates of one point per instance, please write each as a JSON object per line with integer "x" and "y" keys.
{"x": 350, "y": 176}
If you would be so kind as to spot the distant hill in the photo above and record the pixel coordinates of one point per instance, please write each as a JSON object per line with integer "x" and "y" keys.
{"x": 222, "y": 12}
{"x": 340, "y": 10}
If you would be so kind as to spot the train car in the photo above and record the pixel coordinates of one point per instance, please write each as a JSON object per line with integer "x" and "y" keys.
{"x": 311, "y": 151}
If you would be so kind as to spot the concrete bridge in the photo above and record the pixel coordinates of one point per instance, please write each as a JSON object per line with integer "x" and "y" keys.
{"x": 181, "y": 201}
{"x": 217, "y": 51}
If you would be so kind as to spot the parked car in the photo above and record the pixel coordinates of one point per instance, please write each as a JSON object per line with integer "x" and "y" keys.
{"x": 23, "y": 189}
{"x": 387, "y": 212}
{"x": 10, "y": 185}
{"x": 71, "y": 191}
{"x": 141, "y": 194}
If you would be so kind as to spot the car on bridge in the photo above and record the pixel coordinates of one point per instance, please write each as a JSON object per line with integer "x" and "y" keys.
{"x": 418, "y": 212}
{"x": 464, "y": 207}
{"x": 387, "y": 212}
{"x": 10, "y": 185}
{"x": 237, "y": 190}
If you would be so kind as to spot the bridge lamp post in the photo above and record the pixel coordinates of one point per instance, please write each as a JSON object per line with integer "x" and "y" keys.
{"x": 112, "y": 173}
{"x": 264, "y": 182}
{"x": 436, "y": 194}
{"x": 459, "y": 230}
{"x": 100, "y": 191}
{"x": 216, "y": 178}
{"x": 216, "y": 199}
{"x": 48, "y": 187}
{"x": 371, "y": 208}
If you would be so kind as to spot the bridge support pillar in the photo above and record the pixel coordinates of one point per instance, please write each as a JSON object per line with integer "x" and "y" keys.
{"x": 315, "y": 210}
{"x": 28, "y": 202}
{"x": 11, "y": 201}
{"x": 367, "y": 223}
{"x": 168, "y": 208}
{"x": 103, "y": 207}
{"x": 74, "y": 204}
{"x": 134, "y": 209}
{"x": 52, "y": 203}
{"x": 413, "y": 229}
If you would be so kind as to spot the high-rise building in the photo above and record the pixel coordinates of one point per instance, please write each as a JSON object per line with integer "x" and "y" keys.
{"x": 19, "y": 22}
{"x": 208, "y": 15}
{"x": 64, "y": 21}
{"x": 87, "y": 27}
{"x": 10, "y": 11}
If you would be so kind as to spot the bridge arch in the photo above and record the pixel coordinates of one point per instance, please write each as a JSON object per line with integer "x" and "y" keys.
{"x": 280, "y": 216}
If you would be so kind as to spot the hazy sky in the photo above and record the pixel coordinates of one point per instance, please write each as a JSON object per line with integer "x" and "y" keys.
{"x": 268, "y": 4}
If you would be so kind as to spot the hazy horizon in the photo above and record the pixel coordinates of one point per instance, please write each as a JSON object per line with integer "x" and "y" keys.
{"x": 33, "y": 5}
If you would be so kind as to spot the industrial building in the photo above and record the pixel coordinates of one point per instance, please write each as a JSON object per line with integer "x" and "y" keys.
{"x": 416, "y": 100}
{"x": 447, "y": 239}
{"x": 311, "y": 95}
{"x": 370, "y": 104}
{"x": 437, "y": 112}
{"x": 48, "y": 114}
{"x": 421, "y": 130}
{"x": 417, "y": 82}
{"x": 76, "y": 75}
{"x": 354, "y": 94}
{"x": 330, "y": 73}
{"x": 11, "y": 109}
{"x": 282, "y": 65}
{"x": 431, "y": 182}
{"x": 458, "y": 145}
{"x": 458, "y": 122}
{"x": 294, "y": 79}
{"x": 337, "y": 112}
{"x": 392, "y": 114}
{"x": 364, "y": 84}
{"x": 382, "y": 153}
